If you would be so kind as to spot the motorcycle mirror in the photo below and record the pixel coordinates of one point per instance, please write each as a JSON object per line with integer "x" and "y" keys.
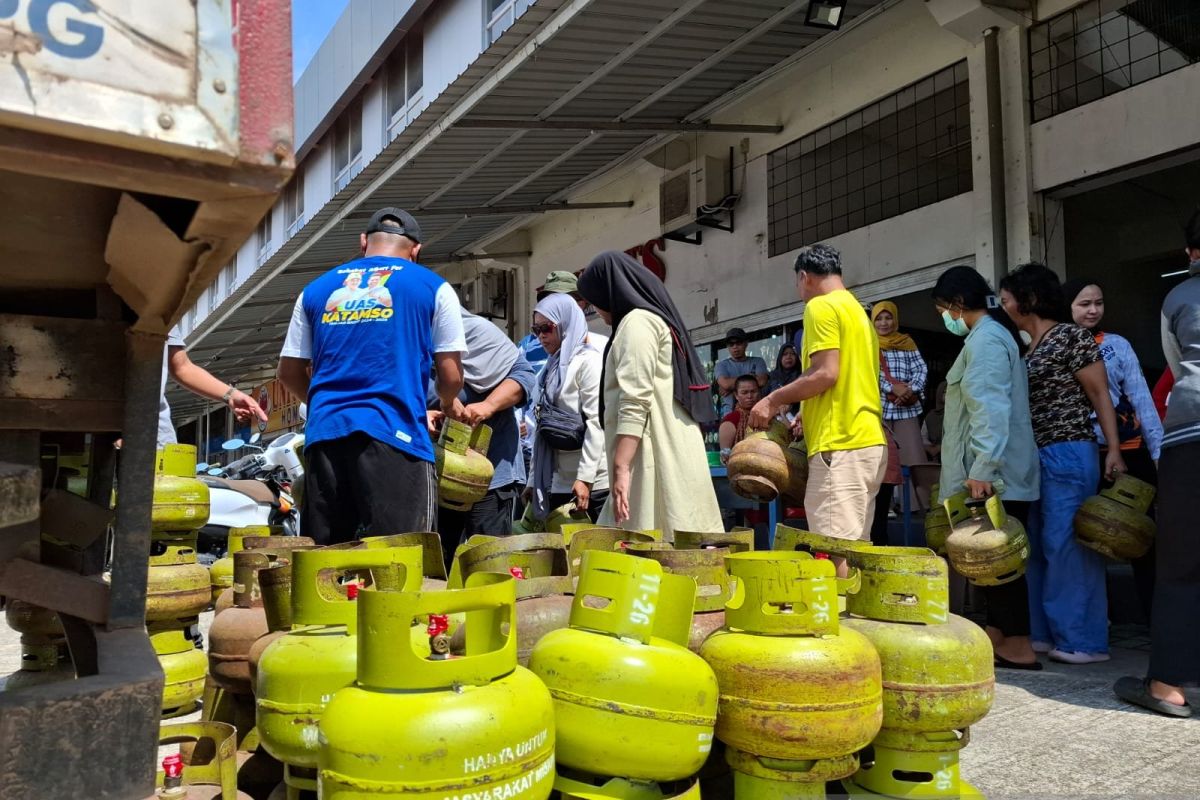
{"x": 256, "y": 438}
{"x": 215, "y": 472}
{"x": 201, "y": 467}
{"x": 233, "y": 444}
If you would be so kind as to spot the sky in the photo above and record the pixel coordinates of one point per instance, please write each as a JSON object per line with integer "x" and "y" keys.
{"x": 311, "y": 21}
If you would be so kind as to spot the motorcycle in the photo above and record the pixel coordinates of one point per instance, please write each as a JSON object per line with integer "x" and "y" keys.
{"x": 256, "y": 489}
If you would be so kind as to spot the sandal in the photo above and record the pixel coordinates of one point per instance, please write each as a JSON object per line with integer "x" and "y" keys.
{"x": 1004, "y": 663}
{"x": 1137, "y": 692}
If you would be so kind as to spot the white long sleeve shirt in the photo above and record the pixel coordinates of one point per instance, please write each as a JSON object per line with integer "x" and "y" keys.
{"x": 581, "y": 393}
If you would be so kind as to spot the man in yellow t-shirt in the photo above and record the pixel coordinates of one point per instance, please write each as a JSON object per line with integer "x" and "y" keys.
{"x": 839, "y": 388}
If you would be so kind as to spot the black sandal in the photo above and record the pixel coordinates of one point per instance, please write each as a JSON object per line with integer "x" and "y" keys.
{"x": 1137, "y": 692}
{"x": 1004, "y": 663}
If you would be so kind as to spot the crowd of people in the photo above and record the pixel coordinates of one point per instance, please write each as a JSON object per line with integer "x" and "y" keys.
{"x": 1039, "y": 406}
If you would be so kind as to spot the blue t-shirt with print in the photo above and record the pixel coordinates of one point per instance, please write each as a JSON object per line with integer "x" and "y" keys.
{"x": 372, "y": 349}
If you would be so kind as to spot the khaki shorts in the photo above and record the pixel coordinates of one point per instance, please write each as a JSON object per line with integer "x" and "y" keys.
{"x": 842, "y": 484}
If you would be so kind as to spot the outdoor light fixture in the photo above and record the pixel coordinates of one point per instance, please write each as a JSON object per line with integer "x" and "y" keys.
{"x": 826, "y": 14}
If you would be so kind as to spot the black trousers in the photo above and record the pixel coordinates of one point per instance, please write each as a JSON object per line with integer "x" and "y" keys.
{"x": 595, "y": 502}
{"x": 359, "y": 484}
{"x": 1008, "y": 605}
{"x": 1174, "y": 634}
{"x": 493, "y": 515}
{"x": 1141, "y": 466}
{"x": 879, "y": 523}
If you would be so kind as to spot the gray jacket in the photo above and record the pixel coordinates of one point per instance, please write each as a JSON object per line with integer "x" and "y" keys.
{"x": 1181, "y": 346}
{"x": 987, "y": 434}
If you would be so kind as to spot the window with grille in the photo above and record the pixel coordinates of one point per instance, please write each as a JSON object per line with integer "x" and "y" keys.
{"x": 908, "y": 150}
{"x": 405, "y": 82}
{"x": 293, "y": 203}
{"x": 229, "y": 277}
{"x": 501, "y": 14}
{"x": 263, "y": 237}
{"x": 347, "y": 145}
{"x": 1106, "y": 46}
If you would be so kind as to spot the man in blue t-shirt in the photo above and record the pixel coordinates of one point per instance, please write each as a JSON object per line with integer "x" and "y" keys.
{"x": 359, "y": 350}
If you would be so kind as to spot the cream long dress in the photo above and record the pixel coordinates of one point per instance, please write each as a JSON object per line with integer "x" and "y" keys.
{"x": 671, "y": 488}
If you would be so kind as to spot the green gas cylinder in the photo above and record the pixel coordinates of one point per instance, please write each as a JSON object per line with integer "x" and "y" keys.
{"x": 631, "y": 701}
{"x": 938, "y": 675}
{"x": 800, "y": 695}
{"x": 707, "y": 569}
{"x": 439, "y": 726}
{"x": 299, "y": 672}
{"x": 986, "y": 546}
{"x": 184, "y": 665}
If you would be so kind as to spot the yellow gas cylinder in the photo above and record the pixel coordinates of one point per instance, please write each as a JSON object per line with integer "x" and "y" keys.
{"x": 713, "y": 586}
{"x": 987, "y": 547}
{"x": 183, "y": 663}
{"x": 299, "y": 672}
{"x": 439, "y": 726}
{"x": 800, "y": 696}
{"x": 1114, "y": 522}
{"x": 181, "y": 501}
{"x": 766, "y": 464}
{"x": 630, "y": 700}
{"x": 544, "y": 585}
{"x": 938, "y": 676}
{"x": 821, "y": 546}
{"x": 214, "y": 777}
{"x": 176, "y": 590}
{"x": 460, "y": 460}
{"x": 738, "y": 540}
{"x": 601, "y": 788}
{"x": 275, "y": 583}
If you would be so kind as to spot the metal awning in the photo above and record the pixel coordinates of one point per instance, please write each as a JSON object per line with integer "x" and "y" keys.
{"x": 570, "y": 90}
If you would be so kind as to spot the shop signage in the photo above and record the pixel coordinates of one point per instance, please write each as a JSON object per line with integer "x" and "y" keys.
{"x": 650, "y": 255}
{"x": 282, "y": 407}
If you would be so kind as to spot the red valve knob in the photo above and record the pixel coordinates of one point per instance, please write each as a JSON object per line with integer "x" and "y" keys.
{"x": 517, "y": 573}
{"x": 351, "y": 591}
{"x": 438, "y": 624}
{"x": 821, "y": 556}
{"x": 173, "y": 765}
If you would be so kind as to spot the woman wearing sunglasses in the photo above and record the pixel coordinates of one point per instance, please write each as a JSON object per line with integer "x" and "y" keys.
{"x": 568, "y": 451}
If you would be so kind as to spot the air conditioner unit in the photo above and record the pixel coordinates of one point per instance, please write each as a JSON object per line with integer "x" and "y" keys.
{"x": 681, "y": 195}
{"x": 486, "y": 295}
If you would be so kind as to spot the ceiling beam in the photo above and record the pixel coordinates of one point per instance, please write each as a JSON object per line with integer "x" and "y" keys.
{"x": 470, "y": 171}
{"x": 456, "y": 257}
{"x": 612, "y": 126}
{"x": 512, "y": 211}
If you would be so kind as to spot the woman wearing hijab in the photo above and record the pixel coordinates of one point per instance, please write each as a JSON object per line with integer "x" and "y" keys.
{"x": 571, "y": 382}
{"x": 787, "y": 369}
{"x": 656, "y": 396}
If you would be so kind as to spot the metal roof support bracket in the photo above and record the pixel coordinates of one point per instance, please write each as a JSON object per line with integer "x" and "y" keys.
{"x": 608, "y": 125}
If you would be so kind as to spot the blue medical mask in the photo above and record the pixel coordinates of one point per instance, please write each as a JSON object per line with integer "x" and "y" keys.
{"x": 958, "y": 326}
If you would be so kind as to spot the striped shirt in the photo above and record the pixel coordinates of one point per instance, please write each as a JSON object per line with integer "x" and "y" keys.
{"x": 906, "y": 366}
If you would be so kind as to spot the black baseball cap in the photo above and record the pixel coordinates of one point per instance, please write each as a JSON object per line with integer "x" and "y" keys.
{"x": 736, "y": 335}
{"x": 395, "y": 220}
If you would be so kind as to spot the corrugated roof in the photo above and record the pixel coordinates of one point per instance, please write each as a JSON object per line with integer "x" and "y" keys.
{"x": 619, "y": 60}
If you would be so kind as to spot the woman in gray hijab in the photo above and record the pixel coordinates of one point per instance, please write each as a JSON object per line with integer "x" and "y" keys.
{"x": 570, "y": 383}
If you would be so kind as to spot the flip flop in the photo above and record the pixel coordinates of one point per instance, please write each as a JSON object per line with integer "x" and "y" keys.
{"x": 1004, "y": 663}
{"x": 1137, "y": 692}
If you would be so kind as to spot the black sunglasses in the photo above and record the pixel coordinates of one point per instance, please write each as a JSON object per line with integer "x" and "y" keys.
{"x": 538, "y": 330}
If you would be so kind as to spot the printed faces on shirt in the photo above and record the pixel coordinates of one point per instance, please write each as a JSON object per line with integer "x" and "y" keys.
{"x": 363, "y": 297}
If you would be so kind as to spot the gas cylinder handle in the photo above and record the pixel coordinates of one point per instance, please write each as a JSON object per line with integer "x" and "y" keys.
{"x": 430, "y": 542}
{"x": 311, "y": 573}
{"x": 388, "y": 659}
{"x": 783, "y": 593}
{"x": 637, "y": 590}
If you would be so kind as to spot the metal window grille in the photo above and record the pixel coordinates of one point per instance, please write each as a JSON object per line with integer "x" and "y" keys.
{"x": 347, "y": 145}
{"x": 502, "y": 14}
{"x": 405, "y": 81}
{"x": 1106, "y": 46}
{"x": 907, "y": 150}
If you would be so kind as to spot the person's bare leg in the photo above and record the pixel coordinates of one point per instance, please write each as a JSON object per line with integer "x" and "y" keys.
{"x": 1016, "y": 649}
{"x": 1167, "y": 692}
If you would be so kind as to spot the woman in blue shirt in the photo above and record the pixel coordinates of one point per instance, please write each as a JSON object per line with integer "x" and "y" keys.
{"x": 987, "y": 437}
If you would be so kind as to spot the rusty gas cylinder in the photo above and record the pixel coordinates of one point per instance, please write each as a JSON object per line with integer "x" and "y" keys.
{"x": 591, "y": 537}
{"x": 767, "y": 464}
{"x": 235, "y": 630}
{"x": 1114, "y": 523}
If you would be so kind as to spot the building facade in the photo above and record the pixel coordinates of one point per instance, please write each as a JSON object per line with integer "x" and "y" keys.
{"x": 713, "y": 144}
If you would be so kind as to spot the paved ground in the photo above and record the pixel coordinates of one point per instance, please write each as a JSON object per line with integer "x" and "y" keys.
{"x": 1059, "y": 733}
